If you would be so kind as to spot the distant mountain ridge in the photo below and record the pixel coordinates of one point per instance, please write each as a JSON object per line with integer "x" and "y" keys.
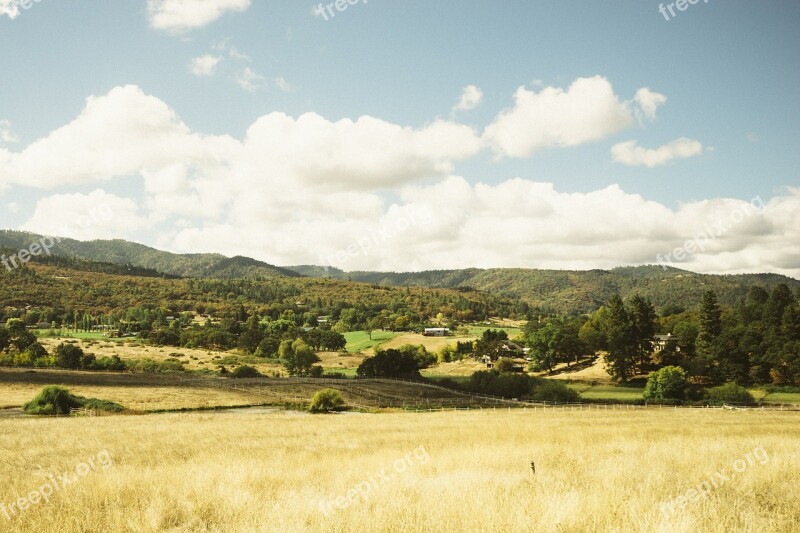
{"x": 567, "y": 291}
{"x": 123, "y": 252}
{"x": 551, "y": 291}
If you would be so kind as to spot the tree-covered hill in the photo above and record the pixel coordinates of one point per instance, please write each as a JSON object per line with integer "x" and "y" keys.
{"x": 563, "y": 291}
{"x": 122, "y": 252}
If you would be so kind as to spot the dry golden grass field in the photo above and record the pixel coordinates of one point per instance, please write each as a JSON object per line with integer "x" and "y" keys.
{"x": 452, "y": 471}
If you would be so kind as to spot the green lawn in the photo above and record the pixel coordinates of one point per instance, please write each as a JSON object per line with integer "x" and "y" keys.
{"x": 477, "y": 331}
{"x": 782, "y": 397}
{"x": 358, "y": 341}
{"x": 607, "y": 392}
{"x": 58, "y": 333}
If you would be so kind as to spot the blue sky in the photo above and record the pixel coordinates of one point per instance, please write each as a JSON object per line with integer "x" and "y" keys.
{"x": 631, "y": 178}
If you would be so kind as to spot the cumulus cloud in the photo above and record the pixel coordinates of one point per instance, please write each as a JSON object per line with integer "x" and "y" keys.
{"x": 587, "y": 111}
{"x": 97, "y": 215}
{"x": 631, "y": 154}
{"x": 179, "y": 16}
{"x": 649, "y": 101}
{"x": 120, "y": 134}
{"x": 365, "y": 194}
{"x": 470, "y": 99}
{"x": 205, "y": 65}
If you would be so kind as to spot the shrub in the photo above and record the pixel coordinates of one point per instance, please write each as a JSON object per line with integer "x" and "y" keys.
{"x": 668, "y": 383}
{"x": 504, "y": 385}
{"x": 54, "y": 400}
{"x": 327, "y": 400}
{"x": 245, "y": 371}
{"x": 504, "y": 365}
{"x": 548, "y": 390}
{"x": 149, "y": 366}
{"x": 730, "y": 393}
{"x": 316, "y": 371}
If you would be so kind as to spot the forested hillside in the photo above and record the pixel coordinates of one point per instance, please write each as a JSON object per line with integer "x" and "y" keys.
{"x": 568, "y": 292}
{"x": 122, "y": 252}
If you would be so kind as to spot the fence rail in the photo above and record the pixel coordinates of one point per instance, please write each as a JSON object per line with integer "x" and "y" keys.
{"x": 360, "y": 396}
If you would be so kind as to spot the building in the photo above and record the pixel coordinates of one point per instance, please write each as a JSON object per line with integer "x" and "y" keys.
{"x": 436, "y": 332}
{"x": 662, "y": 342}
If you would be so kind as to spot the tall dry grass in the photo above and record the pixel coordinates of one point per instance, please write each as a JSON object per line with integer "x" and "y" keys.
{"x": 595, "y": 471}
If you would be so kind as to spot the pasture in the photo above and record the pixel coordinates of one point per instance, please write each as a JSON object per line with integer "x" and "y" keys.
{"x": 406, "y": 472}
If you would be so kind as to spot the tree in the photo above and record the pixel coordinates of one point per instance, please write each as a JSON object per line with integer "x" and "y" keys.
{"x": 668, "y": 383}
{"x": 298, "y": 357}
{"x": 389, "y": 364}
{"x": 68, "y": 356}
{"x": 327, "y": 400}
{"x": 333, "y": 341}
{"x": 710, "y": 318}
{"x": 621, "y": 339}
{"x": 643, "y": 315}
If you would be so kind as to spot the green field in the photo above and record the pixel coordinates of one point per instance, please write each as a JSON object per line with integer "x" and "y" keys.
{"x": 782, "y": 397}
{"x": 98, "y": 335}
{"x": 477, "y": 331}
{"x": 358, "y": 341}
{"x": 607, "y": 392}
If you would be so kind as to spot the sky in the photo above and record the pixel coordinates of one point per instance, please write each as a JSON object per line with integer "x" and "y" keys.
{"x": 409, "y": 135}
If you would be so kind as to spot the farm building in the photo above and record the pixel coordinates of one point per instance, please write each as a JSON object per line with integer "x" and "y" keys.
{"x": 436, "y": 332}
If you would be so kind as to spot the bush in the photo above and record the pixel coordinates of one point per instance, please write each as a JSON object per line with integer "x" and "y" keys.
{"x": 53, "y": 400}
{"x": 327, "y": 400}
{"x": 503, "y": 385}
{"x": 245, "y": 371}
{"x": 669, "y": 383}
{"x": 548, "y": 390}
{"x": 68, "y": 356}
{"x": 730, "y": 393}
{"x": 316, "y": 371}
{"x": 149, "y": 366}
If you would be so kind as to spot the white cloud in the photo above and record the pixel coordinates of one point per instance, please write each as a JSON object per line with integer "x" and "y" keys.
{"x": 470, "y": 99}
{"x": 588, "y": 111}
{"x": 6, "y": 135}
{"x": 205, "y": 65}
{"x": 121, "y": 134}
{"x": 97, "y": 215}
{"x": 178, "y": 16}
{"x": 10, "y": 8}
{"x": 250, "y": 81}
{"x": 649, "y": 101}
{"x": 631, "y": 154}
{"x": 306, "y": 189}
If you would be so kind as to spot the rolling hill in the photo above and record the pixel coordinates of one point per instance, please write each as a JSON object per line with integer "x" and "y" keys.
{"x": 122, "y": 252}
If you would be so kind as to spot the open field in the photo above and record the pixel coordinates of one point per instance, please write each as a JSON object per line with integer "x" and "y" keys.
{"x": 192, "y": 359}
{"x": 360, "y": 341}
{"x": 432, "y": 344}
{"x": 464, "y": 471}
